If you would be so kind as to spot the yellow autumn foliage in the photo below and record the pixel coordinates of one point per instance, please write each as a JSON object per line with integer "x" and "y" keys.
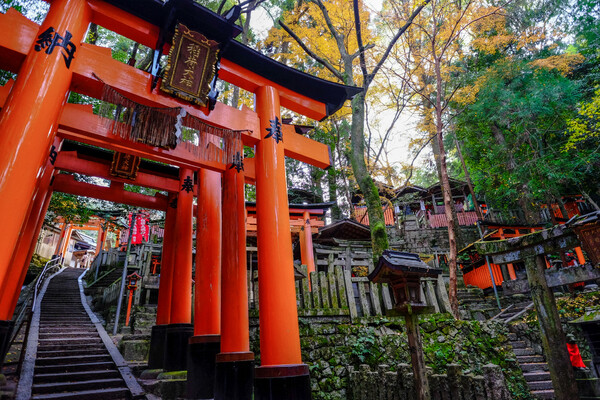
{"x": 564, "y": 63}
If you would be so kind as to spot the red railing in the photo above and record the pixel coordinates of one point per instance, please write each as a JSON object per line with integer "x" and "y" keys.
{"x": 464, "y": 218}
{"x": 360, "y": 215}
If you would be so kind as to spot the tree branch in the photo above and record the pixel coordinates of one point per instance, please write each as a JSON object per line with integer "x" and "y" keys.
{"x": 361, "y": 47}
{"x": 394, "y": 40}
{"x": 311, "y": 53}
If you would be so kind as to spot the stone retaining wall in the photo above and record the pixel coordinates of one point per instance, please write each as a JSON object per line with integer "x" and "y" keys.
{"x": 385, "y": 384}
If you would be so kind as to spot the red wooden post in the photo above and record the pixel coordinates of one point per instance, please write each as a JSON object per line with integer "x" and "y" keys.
{"x": 205, "y": 344}
{"x": 28, "y": 120}
{"x": 282, "y": 372}
{"x": 163, "y": 310}
{"x": 180, "y": 328}
{"x": 129, "y": 307}
{"x": 306, "y": 245}
{"x": 9, "y": 293}
{"x": 235, "y": 362}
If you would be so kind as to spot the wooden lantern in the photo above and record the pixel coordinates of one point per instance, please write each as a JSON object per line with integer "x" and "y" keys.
{"x": 403, "y": 272}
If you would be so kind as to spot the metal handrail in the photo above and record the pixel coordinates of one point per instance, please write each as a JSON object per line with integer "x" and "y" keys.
{"x": 54, "y": 262}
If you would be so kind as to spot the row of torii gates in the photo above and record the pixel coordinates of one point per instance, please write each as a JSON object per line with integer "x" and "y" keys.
{"x": 51, "y": 60}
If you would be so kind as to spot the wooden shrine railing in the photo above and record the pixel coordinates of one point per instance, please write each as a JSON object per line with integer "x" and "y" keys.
{"x": 337, "y": 293}
{"x": 464, "y": 219}
{"x": 345, "y": 254}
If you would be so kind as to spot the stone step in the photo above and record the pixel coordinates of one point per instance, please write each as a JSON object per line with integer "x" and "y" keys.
{"x": 527, "y": 351}
{"x": 88, "y": 350}
{"x": 534, "y": 367}
{"x": 70, "y": 340}
{"x": 76, "y": 386}
{"x": 530, "y": 359}
{"x": 543, "y": 394}
{"x": 66, "y": 329}
{"x": 47, "y": 369}
{"x": 540, "y": 385}
{"x": 518, "y": 344}
{"x": 99, "y": 394}
{"x": 536, "y": 376}
{"x": 76, "y": 376}
{"x": 52, "y": 335}
{"x": 78, "y": 359}
{"x": 67, "y": 346}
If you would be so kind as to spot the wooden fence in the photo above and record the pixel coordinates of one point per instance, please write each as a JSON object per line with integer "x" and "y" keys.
{"x": 337, "y": 293}
{"x": 464, "y": 219}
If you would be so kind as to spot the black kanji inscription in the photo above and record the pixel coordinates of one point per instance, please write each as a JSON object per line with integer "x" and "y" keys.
{"x": 53, "y": 155}
{"x": 275, "y": 130}
{"x": 49, "y": 39}
{"x": 188, "y": 185}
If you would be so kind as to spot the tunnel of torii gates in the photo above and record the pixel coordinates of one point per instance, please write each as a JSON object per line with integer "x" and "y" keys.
{"x": 51, "y": 60}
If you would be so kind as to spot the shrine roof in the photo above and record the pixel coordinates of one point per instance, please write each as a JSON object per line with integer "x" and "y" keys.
{"x": 394, "y": 264}
{"x": 345, "y": 229}
{"x": 216, "y": 27}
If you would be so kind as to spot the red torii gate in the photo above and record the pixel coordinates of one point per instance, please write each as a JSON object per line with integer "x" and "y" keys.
{"x": 35, "y": 117}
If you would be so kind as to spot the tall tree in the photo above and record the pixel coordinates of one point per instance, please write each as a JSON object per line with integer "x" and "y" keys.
{"x": 431, "y": 52}
{"x": 333, "y": 35}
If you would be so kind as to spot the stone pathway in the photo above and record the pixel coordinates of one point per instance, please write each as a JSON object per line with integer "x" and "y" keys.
{"x": 534, "y": 367}
{"x": 72, "y": 359}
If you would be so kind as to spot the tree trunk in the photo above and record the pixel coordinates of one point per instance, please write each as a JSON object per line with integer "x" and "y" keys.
{"x": 336, "y": 213}
{"x": 552, "y": 335}
{"x": 379, "y": 238}
{"x": 447, "y": 193}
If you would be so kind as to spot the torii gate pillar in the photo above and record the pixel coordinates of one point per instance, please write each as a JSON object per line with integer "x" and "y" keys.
{"x": 163, "y": 309}
{"x": 29, "y": 118}
{"x": 234, "y": 365}
{"x": 204, "y": 346}
{"x": 9, "y": 293}
{"x": 282, "y": 375}
{"x": 180, "y": 328}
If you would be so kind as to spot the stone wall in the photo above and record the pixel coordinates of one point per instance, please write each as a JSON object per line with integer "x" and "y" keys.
{"x": 333, "y": 348}
{"x": 427, "y": 241}
{"x": 385, "y": 384}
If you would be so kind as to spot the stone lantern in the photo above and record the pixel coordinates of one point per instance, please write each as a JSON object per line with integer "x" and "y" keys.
{"x": 403, "y": 272}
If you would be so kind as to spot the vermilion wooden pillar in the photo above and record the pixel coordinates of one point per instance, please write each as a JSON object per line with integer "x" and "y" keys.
{"x": 205, "y": 344}
{"x": 61, "y": 237}
{"x": 65, "y": 243}
{"x": 28, "y": 120}
{"x": 580, "y": 257}
{"x": 306, "y": 244}
{"x": 282, "y": 375}
{"x": 180, "y": 328}
{"x": 9, "y": 292}
{"x": 163, "y": 310}
{"x": 235, "y": 363}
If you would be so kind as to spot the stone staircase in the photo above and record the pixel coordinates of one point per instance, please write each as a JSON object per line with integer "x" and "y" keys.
{"x": 72, "y": 361}
{"x": 515, "y": 311}
{"x": 534, "y": 367}
{"x": 473, "y": 304}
